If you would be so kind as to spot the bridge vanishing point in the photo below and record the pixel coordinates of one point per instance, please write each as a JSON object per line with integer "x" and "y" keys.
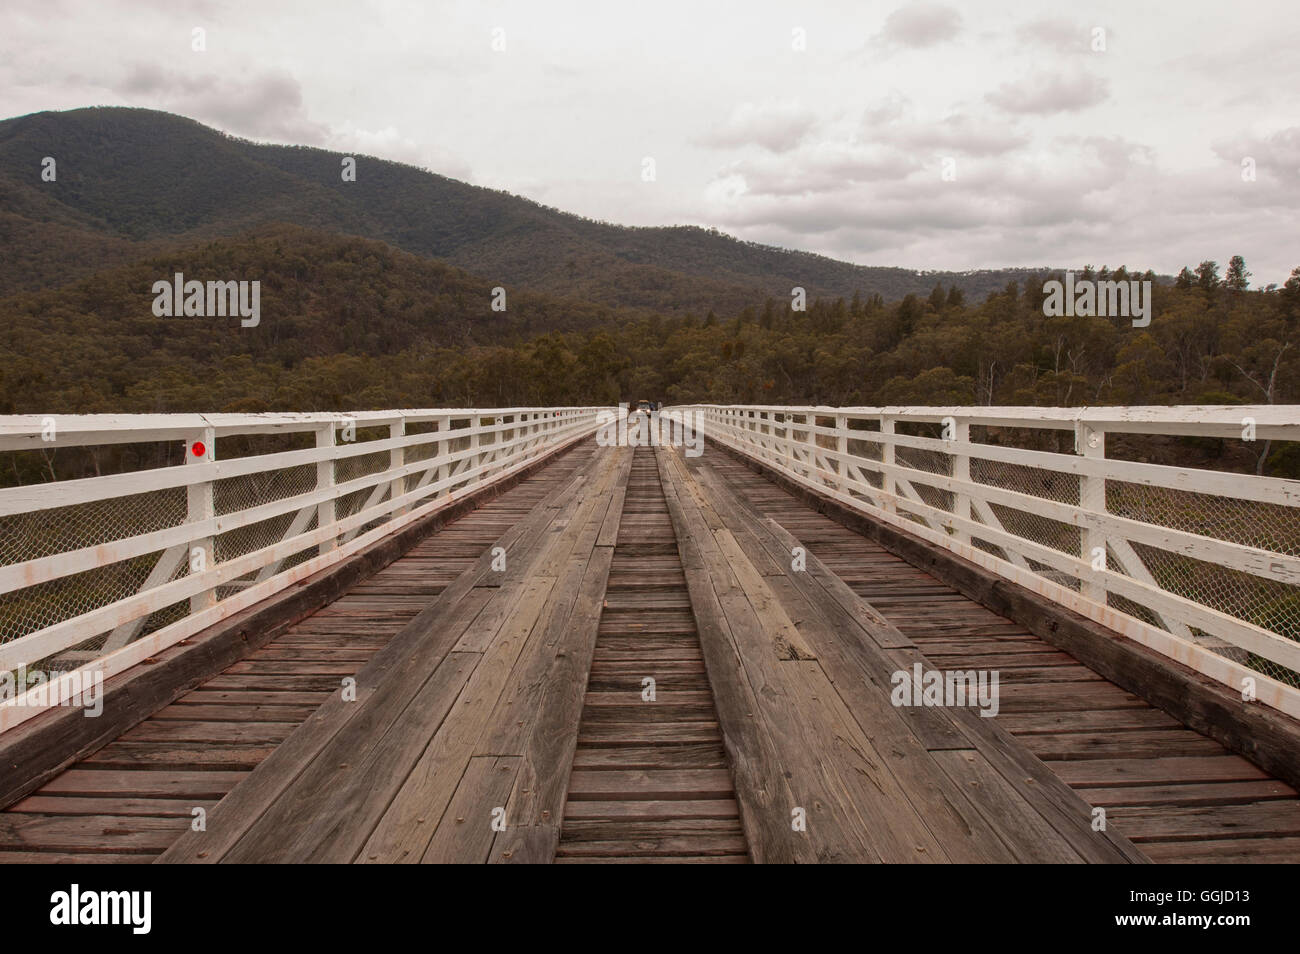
{"x": 769, "y": 634}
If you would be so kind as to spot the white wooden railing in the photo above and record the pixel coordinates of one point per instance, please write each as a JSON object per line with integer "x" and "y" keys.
{"x": 102, "y": 572}
{"x": 1202, "y": 565}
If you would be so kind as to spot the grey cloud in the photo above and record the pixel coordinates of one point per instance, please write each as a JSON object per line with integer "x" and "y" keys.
{"x": 890, "y": 109}
{"x": 1116, "y": 153}
{"x": 269, "y": 106}
{"x": 1277, "y": 155}
{"x": 920, "y": 25}
{"x": 777, "y": 127}
{"x": 1063, "y": 36}
{"x": 151, "y": 79}
{"x": 823, "y": 168}
{"x": 1042, "y": 93}
{"x": 959, "y": 134}
{"x": 389, "y": 143}
{"x": 928, "y": 208}
{"x": 262, "y": 105}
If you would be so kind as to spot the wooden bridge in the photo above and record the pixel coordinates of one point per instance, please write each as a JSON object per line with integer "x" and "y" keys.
{"x": 717, "y": 635}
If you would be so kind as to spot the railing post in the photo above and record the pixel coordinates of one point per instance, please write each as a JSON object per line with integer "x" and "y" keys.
{"x": 842, "y": 448}
{"x": 201, "y": 449}
{"x": 961, "y": 472}
{"x": 471, "y": 462}
{"x": 325, "y": 479}
{"x": 887, "y": 483}
{"x": 811, "y": 421}
{"x": 1090, "y": 442}
{"x": 444, "y": 446}
{"x": 396, "y": 461}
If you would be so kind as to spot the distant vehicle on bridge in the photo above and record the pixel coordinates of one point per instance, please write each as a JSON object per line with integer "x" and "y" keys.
{"x": 642, "y": 407}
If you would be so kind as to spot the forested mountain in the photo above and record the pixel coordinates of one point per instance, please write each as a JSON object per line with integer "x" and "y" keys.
{"x": 133, "y": 181}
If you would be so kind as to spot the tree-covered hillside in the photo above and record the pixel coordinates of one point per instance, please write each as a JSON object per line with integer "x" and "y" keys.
{"x": 132, "y": 181}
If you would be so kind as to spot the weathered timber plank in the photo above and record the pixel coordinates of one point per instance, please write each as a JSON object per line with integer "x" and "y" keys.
{"x": 762, "y": 791}
{"x": 466, "y": 834}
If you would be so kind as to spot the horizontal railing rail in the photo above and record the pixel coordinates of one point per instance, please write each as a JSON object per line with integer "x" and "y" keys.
{"x": 1200, "y": 564}
{"x": 201, "y": 516}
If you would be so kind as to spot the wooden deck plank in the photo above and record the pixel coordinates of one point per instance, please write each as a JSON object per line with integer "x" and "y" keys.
{"x": 466, "y": 835}
{"x": 1204, "y": 793}
{"x": 1027, "y": 836}
{"x": 1279, "y": 818}
{"x": 762, "y": 787}
{"x": 112, "y": 805}
{"x": 1268, "y": 850}
{"x": 1115, "y": 772}
{"x": 89, "y": 834}
{"x": 652, "y": 810}
{"x": 194, "y": 784}
{"x": 536, "y": 805}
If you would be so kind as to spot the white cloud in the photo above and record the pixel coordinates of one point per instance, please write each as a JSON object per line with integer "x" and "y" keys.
{"x": 821, "y": 168}
{"x": 1042, "y": 93}
{"x": 956, "y": 133}
{"x": 920, "y": 25}
{"x": 776, "y": 126}
{"x": 261, "y": 105}
{"x": 1276, "y": 156}
{"x": 1059, "y": 35}
{"x": 389, "y": 143}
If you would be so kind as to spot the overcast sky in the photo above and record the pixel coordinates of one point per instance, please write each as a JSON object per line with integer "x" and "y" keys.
{"x": 1062, "y": 154}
